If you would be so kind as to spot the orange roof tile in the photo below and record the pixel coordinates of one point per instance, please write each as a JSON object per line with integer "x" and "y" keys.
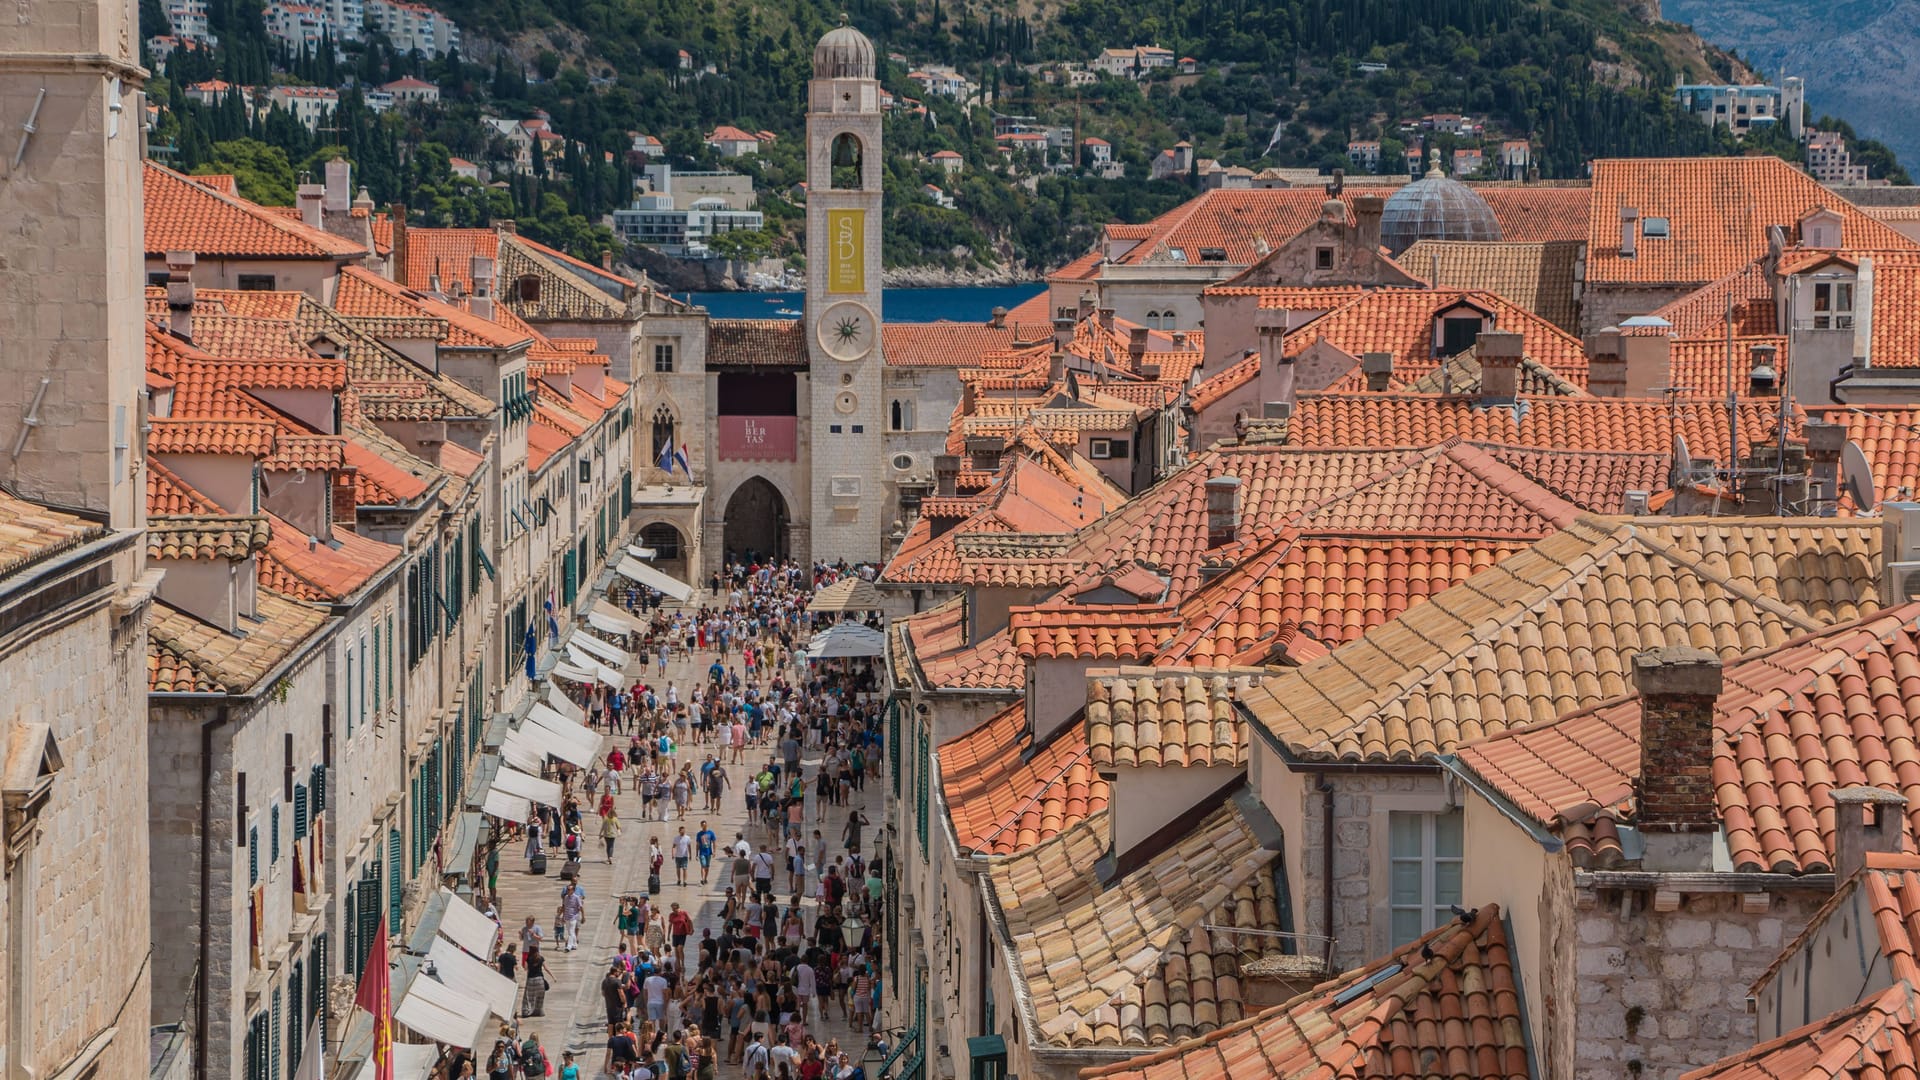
{"x": 1719, "y": 210}
{"x": 363, "y": 293}
{"x": 1002, "y": 799}
{"x": 1092, "y": 632}
{"x": 1704, "y": 312}
{"x": 182, "y": 215}
{"x": 1401, "y": 322}
{"x": 297, "y": 566}
{"x": 1878, "y": 1037}
{"x": 1634, "y": 425}
{"x": 944, "y": 343}
{"x": 756, "y": 342}
{"x": 1445, "y": 1004}
{"x": 1538, "y": 215}
{"x": 543, "y": 441}
{"x": 446, "y": 254}
{"x": 30, "y": 532}
{"x": 1165, "y": 716}
{"x": 187, "y": 656}
{"x": 253, "y": 438}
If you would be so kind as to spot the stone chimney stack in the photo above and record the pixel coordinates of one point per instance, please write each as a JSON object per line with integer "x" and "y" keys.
{"x": 1629, "y": 231}
{"x": 1056, "y": 368}
{"x": 1276, "y": 370}
{"x": 1367, "y": 210}
{"x": 1223, "y": 510}
{"x": 1085, "y": 311}
{"x": 312, "y": 199}
{"x": 1606, "y": 365}
{"x": 606, "y": 261}
{"x": 1500, "y": 352}
{"x": 946, "y": 475}
{"x": 345, "y": 501}
{"x": 1648, "y": 360}
{"x": 180, "y": 293}
{"x": 1866, "y": 820}
{"x": 999, "y": 317}
{"x": 339, "y": 186}
{"x": 1136, "y": 345}
{"x": 1678, "y": 686}
{"x": 1825, "y": 442}
{"x": 1106, "y": 318}
{"x": 1378, "y": 368}
{"x": 481, "y": 271}
{"x": 1062, "y": 333}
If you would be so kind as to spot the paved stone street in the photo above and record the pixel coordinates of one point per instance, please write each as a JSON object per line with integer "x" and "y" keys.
{"x": 574, "y": 1018}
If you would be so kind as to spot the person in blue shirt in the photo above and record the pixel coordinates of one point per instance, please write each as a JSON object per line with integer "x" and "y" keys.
{"x": 703, "y": 847}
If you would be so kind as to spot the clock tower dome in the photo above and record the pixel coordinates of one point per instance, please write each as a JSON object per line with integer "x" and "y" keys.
{"x": 842, "y": 315}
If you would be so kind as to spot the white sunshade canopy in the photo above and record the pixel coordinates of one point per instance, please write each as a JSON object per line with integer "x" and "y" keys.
{"x": 564, "y": 739}
{"x": 572, "y": 672}
{"x": 411, "y": 1061}
{"x": 654, "y": 579}
{"x": 585, "y": 661}
{"x": 639, "y": 552}
{"x": 471, "y": 977}
{"x": 612, "y": 613}
{"x": 562, "y": 704}
{"x": 506, "y": 806}
{"x": 609, "y": 655}
{"x": 522, "y": 752}
{"x": 607, "y": 624}
{"x": 442, "y": 1013}
{"x": 515, "y": 782}
{"x": 846, "y": 640}
{"x": 465, "y": 926}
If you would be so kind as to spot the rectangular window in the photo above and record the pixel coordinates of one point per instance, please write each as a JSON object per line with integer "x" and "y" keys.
{"x": 1833, "y": 305}
{"x": 1323, "y": 258}
{"x": 663, "y": 358}
{"x": 256, "y": 282}
{"x": 363, "y": 678}
{"x": 300, "y": 812}
{"x": 1424, "y": 880}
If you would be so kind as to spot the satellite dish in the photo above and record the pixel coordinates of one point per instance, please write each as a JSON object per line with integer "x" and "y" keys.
{"x": 1682, "y": 461}
{"x": 1856, "y": 476}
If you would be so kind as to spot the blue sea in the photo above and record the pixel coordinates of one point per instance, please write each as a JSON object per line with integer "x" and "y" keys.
{"x": 967, "y": 304}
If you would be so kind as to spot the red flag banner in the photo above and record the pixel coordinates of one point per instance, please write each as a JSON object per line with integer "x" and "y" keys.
{"x": 375, "y": 996}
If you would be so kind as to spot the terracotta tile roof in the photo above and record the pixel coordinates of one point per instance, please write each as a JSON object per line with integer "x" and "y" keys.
{"x": 1127, "y": 963}
{"x": 577, "y": 266}
{"x": 1896, "y": 299}
{"x": 1703, "y": 313}
{"x": 298, "y": 567}
{"x": 756, "y": 343}
{"x": 1462, "y": 372}
{"x": 182, "y": 215}
{"x": 1002, "y": 799}
{"x": 1226, "y": 381}
{"x": 446, "y": 254}
{"x": 1535, "y": 215}
{"x": 361, "y": 293}
{"x": 206, "y": 537}
{"x": 1239, "y": 222}
{"x": 1445, "y": 1004}
{"x": 1092, "y": 632}
{"x": 1401, "y": 322}
{"x": 460, "y": 460}
{"x": 1634, "y": 425}
{"x": 296, "y": 452}
{"x": 1165, "y": 716}
{"x": 1080, "y": 269}
{"x": 1719, "y": 210}
{"x": 384, "y": 474}
{"x": 1889, "y": 436}
{"x": 1876, "y": 1038}
{"x": 1592, "y": 480}
{"x": 544, "y": 440}
{"x": 30, "y": 532}
{"x": 170, "y": 496}
{"x": 566, "y": 292}
{"x": 1794, "y": 724}
{"x": 1026, "y": 499}
{"x": 187, "y": 656}
{"x": 953, "y": 344}
{"x": 1538, "y": 277}
{"x": 932, "y": 650}
{"x": 253, "y": 438}
{"x": 1553, "y": 629}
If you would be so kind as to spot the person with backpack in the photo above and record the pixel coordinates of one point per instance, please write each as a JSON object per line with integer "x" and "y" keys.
{"x": 533, "y": 1057}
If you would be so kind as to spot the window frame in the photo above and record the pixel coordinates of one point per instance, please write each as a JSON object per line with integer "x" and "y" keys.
{"x": 1433, "y": 908}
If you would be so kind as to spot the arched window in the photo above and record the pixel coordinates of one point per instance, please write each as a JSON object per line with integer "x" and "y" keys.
{"x": 663, "y": 432}
{"x": 664, "y": 539}
{"x": 845, "y": 165}
{"x": 902, "y": 415}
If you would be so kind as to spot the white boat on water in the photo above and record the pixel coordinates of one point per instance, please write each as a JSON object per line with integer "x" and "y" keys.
{"x": 786, "y": 311}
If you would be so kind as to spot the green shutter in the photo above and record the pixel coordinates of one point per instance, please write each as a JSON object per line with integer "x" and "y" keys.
{"x": 273, "y": 1038}
{"x": 352, "y": 923}
{"x": 273, "y": 828}
{"x": 893, "y": 744}
{"x": 296, "y": 1006}
{"x": 395, "y": 879}
{"x": 253, "y": 855}
{"x": 317, "y": 779}
{"x": 299, "y": 812}
{"x": 319, "y": 966}
{"x": 415, "y": 809}
{"x": 390, "y": 649}
{"x": 920, "y": 789}
{"x": 377, "y": 699}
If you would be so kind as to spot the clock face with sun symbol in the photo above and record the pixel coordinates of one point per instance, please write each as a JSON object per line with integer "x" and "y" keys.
{"x": 846, "y": 331}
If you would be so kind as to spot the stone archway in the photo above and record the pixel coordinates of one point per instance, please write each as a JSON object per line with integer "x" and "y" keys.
{"x": 756, "y": 522}
{"x": 670, "y": 548}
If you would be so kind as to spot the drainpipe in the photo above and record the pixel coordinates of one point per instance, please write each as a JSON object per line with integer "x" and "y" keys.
{"x": 206, "y": 888}
{"x": 1326, "y": 866}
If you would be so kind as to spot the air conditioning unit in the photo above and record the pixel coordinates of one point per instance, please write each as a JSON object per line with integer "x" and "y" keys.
{"x": 1901, "y": 583}
{"x": 845, "y": 487}
{"x": 911, "y": 467}
{"x": 1900, "y": 536}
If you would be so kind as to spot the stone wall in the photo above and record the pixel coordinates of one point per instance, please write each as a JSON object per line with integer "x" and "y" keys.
{"x": 1606, "y": 305}
{"x": 1659, "y": 993}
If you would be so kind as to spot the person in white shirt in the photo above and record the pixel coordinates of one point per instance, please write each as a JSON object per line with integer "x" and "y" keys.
{"x": 654, "y": 990}
{"x": 804, "y": 988}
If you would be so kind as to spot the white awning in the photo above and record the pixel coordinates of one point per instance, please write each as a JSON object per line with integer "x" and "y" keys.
{"x": 639, "y": 552}
{"x": 607, "y": 624}
{"x": 846, "y": 640}
{"x": 629, "y": 623}
{"x": 607, "y": 654}
{"x": 515, "y": 782}
{"x": 562, "y": 704}
{"x": 654, "y": 579}
{"x": 582, "y": 743}
{"x": 467, "y": 927}
{"x": 473, "y": 978}
{"x": 411, "y": 1061}
{"x": 523, "y": 753}
{"x": 506, "y": 807}
{"x": 584, "y": 661}
{"x": 572, "y": 672}
{"x": 443, "y": 1014}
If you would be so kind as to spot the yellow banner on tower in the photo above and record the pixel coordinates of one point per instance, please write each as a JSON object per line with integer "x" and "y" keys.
{"x": 846, "y": 251}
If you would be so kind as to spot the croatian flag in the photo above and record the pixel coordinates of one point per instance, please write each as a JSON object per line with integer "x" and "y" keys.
{"x": 553, "y": 624}
{"x": 680, "y": 459}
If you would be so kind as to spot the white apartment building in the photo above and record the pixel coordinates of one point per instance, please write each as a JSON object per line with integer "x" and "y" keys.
{"x": 413, "y": 26}
{"x": 654, "y": 220}
{"x": 309, "y": 104}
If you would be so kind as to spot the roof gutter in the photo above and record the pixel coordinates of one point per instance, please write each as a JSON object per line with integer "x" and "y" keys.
{"x": 1541, "y": 835}
{"x": 1296, "y": 763}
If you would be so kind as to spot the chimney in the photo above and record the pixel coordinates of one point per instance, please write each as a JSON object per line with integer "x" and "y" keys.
{"x": 508, "y": 225}
{"x": 1606, "y": 366}
{"x": 1056, "y": 367}
{"x": 481, "y": 271}
{"x": 1223, "y": 510}
{"x": 398, "y": 270}
{"x": 1629, "y": 231}
{"x": 606, "y": 261}
{"x": 1763, "y": 379}
{"x": 1866, "y": 820}
{"x": 1824, "y": 443}
{"x": 946, "y": 475}
{"x": 1275, "y": 380}
{"x": 345, "y": 514}
{"x": 1366, "y": 214}
{"x": 1648, "y": 362}
{"x": 311, "y": 199}
{"x": 1378, "y": 368}
{"x": 1062, "y": 333}
{"x": 339, "y": 186}
{"x": 1634, "y": 503}
{"x": 180, "y": 293}
{"x": 1136, "y": 345}
{"x": 999, "y": 318}
{"x": 1180, "y": 339}
{"x": 1106, "y": 318}
{"x": 1086, "y": 306}
{"x": 1678, "y": 686}
{"x": 1500, "y": 352}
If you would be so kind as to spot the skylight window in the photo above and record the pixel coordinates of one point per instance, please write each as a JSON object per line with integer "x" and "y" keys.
{"x": 1654, "y": 228}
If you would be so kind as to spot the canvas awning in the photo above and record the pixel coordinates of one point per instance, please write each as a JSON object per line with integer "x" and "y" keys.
{"x": 472, "y": 978}
{"x": 467, "y": 926}
{"x": 411, "y": 1061}
{"x": 515, "y": 782}
{"x": 629, "y": 623}
{"x": 609, "y": 655}
{"x": 523, "y": 752}
{"x": 506, "y": 807}
{"x": 639, "y": 552}
{"x": 847, "y": 594}
{"x": 653, "y": 579}
{"x": 584, "y": 661}
{"x": 577, "y": 744}
{"x": 442, "y": 1013}
{"x": 468, "y": 828}
{"x": 846, "y": 640}
{"x": 572, "y": 672}
{"x": 608, "y": 624}
{"x": 562, "y": 704}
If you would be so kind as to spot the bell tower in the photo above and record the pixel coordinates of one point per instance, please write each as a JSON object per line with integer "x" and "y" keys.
{"x": 843, "y": 299}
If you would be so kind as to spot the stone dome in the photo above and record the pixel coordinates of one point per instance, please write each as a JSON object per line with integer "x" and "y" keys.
{"x": 843, "y": 53}
{"x": 1435, "y": 207}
